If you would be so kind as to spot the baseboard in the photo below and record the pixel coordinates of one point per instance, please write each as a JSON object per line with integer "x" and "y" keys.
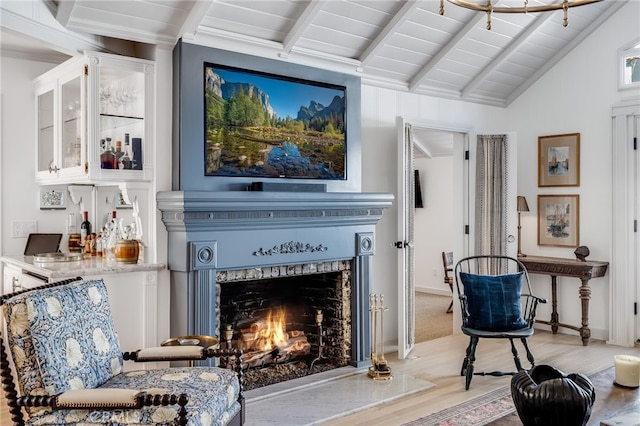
{"x": 596, "y": 333}
{"x": 431, "y": 290}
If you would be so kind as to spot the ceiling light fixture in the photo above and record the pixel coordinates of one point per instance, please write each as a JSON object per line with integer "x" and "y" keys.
{"x": 489, "y": 8}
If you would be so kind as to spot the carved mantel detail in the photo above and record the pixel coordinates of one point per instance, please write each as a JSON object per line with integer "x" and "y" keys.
{"x": 289, "y": 248}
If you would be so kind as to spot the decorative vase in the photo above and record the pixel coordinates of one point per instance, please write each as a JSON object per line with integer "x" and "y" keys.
{"x": 127, "y": 251}
{"x": 547, "y": 396}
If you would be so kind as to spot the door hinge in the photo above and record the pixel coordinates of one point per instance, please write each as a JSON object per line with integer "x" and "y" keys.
{"x": 86, "y": 167}
{"x": 635, "y": 144}
{"x": 401, "y": 244}
{"x": 466, "y": 155}
{"x": 635, "y": 225}
{"x": 635, "y": 308}
{"x": 466, "y": 229}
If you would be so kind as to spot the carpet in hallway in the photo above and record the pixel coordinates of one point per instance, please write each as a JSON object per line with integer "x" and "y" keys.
{"x": 432, "y": 321}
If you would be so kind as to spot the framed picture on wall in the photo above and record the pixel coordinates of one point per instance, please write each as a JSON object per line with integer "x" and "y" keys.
{"x": 559, "y": 160}
{"x": 559, "y": 220}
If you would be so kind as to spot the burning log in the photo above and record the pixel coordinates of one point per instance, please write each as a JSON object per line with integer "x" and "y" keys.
{"x": 266, "y": 341}
{"x": 293, "y": 348}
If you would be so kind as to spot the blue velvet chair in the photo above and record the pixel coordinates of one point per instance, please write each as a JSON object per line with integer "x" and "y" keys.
{"x": 496, "y": 302}
{"x": 68, "y": 367}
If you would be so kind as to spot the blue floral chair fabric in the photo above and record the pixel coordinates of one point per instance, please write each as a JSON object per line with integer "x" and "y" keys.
{"x": 62, "y": 339}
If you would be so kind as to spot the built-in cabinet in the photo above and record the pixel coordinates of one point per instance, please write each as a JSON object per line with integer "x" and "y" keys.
{"x": 14, "y": 280}
{"x": 95, "y": 122}
{"x": 139, "y": 304}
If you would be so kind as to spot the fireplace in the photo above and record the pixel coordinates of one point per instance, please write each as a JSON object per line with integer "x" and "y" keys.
{"x": 298, "y": 316}
{"x": 237, "y": 257}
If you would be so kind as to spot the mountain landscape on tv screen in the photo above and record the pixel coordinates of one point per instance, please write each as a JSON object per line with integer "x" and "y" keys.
{"x": 247, "y": 135}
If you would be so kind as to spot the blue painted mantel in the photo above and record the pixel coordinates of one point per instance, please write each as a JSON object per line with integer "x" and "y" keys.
{"x": 237, "y": 230}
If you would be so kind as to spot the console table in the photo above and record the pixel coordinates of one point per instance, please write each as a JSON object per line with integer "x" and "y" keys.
{"x": 585, "y": 270}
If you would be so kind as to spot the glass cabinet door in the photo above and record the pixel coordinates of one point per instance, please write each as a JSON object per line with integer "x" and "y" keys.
{"x": 45, "y": 132}
{"x": 122, "y": 116}
{"x": 71, "y": 111}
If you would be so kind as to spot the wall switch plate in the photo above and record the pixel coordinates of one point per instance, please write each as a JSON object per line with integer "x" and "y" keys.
{"x": 22, "y": 229}
{"x": 71, "y": 224}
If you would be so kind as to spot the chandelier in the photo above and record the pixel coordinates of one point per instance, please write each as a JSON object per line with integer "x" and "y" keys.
{"x": 489, "y": 8}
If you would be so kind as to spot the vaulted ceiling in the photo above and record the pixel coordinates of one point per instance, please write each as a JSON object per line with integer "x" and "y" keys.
{"x": 400, "y": 44}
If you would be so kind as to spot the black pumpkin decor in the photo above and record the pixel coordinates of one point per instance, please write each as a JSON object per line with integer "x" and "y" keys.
{"x": 546, "y": 396}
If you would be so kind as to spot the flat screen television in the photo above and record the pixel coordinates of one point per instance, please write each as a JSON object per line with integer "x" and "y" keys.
{"x": 272, "y": 126}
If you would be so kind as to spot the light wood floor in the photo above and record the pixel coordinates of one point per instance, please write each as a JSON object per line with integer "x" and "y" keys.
{"x": 439, "y": 361}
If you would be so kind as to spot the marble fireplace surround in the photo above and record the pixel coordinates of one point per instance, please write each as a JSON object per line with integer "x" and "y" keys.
{"x": 210, "y": 231}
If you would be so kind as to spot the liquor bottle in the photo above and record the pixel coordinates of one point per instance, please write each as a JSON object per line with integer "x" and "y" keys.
{"x": 125, "y": 161}
{"x": 136, "y": 150}
{"x": 85, "y": 227}
{"x": 99, "y": 241}
{"x": 107, "y": 158}
{"x": 94, "y": 244}
{"x": 112, "y": 233}
{"x": 118, "y": 154}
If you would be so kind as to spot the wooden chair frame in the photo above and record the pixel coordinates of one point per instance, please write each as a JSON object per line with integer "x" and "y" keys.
{"x": 447, "y": 265}
{"x": 495, "y": 265}
{"x": 143, "y": 399}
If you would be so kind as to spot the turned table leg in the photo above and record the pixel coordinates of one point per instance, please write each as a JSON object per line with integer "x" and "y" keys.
{"x": 555, "y": 318}
{"x": 585, "y": 295}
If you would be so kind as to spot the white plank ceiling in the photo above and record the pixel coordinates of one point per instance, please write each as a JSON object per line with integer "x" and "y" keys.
{"x": 400, "y": 44}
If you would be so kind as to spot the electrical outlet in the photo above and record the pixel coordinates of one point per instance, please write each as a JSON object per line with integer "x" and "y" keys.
{"x": 22, "y": 229}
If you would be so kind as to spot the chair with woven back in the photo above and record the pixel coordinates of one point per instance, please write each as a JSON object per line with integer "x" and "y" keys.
{"x": 496, "y": 302}
{"x": 62, "y": 365}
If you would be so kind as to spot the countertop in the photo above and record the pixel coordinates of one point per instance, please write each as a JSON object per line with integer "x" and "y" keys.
{"x": 85, "y": 267}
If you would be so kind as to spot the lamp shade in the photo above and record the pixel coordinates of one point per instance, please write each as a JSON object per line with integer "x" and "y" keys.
{"x": 522, "y": 204}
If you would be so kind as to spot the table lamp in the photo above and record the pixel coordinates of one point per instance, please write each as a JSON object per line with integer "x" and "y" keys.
{"x": 522, "y": 207}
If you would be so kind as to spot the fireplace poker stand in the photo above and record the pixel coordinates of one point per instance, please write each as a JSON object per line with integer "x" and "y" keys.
{"x": 320, "y": 356}
{"x": 379, "y": 369}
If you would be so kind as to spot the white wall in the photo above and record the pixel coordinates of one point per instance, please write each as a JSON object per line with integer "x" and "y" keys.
{"x": 20, "y": 194}
{"x": 576, "y": 96}
{"x": 433, "y": 231}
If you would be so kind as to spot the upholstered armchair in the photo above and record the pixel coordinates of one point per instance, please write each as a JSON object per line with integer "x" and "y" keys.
{"x": 64, "y": 366}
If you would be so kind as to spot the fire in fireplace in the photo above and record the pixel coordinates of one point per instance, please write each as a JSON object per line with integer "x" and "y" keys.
{"x": 294, "y": 322}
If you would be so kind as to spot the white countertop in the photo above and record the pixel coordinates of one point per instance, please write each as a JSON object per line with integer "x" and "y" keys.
{"x": 85, "y": 267}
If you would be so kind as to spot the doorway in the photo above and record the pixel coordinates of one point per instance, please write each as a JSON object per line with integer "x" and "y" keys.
{"x": 406, "y": 215}
{"x": 433, "y": 231}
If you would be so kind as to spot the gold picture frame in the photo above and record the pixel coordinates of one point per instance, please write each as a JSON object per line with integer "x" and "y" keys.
{"x": 559, "y": 160}
{"x": 559, "y": 220}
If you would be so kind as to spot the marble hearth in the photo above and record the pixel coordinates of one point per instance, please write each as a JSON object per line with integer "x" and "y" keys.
{"x": 221, "y": 234}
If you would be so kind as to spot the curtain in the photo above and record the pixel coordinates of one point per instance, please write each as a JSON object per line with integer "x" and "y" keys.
{"x": 491, "y": 178}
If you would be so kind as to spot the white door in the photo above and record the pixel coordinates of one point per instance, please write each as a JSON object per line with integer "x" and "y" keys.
{"x": 404, "y": 243}
{"x": 634, "y": 175}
